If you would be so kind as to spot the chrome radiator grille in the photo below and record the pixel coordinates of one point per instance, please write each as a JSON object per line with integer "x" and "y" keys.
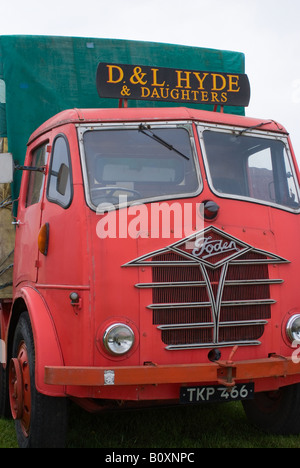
{"x": 194, "y": 313}
{"x": 217, "y": 299}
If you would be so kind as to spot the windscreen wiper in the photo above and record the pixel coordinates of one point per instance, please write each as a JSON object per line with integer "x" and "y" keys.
{"x": 146, "y": 131}
{"x": 248, "y": 129}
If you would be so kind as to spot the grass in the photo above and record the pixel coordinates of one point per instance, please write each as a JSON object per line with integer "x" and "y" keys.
{"x": 7, "y": 434}
{"x": 210, "y": 426}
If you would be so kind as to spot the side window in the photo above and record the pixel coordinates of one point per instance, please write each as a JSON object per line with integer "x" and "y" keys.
{"x": 36, "y": 179}
{"x": 270, "y": 177}
{"x": 60, "y": 174}
{"x": 260, "y": 176}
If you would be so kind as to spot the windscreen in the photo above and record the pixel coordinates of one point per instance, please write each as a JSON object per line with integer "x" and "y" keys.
{"x": 140, "y": 163}
{"x": 251, "y": 166}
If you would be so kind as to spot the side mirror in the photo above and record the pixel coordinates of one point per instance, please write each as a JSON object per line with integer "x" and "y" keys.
{"x": 6, "y": 168}
{"x": 62, "y": 179}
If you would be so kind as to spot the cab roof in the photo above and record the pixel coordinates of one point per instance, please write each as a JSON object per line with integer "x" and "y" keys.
{"x": 86, "y": 116}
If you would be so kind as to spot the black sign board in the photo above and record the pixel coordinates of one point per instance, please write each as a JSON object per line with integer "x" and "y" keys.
{"x": 171, "y": 84}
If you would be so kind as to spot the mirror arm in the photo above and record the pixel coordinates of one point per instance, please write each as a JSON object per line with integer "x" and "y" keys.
{"x": 30, "y": 168}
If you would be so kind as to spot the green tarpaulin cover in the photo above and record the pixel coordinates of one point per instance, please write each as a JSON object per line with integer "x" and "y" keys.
{"x": 41, "y": 75}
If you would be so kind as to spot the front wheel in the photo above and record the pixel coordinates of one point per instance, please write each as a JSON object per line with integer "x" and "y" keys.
{"x": 276, "y": 412}
{"x": 40, "y": 420}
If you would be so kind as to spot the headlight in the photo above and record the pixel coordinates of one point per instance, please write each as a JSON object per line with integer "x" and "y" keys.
{"x": 118, "y": 339}
{"x": 293, "y": 328}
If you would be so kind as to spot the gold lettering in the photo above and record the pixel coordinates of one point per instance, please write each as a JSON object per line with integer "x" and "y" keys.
{"x": 214, "y": 97}
{"x": 111, "y": 74}
{"x": 233, "y": 81}
{"x": 180, "y": 79}
{"x": 195, "y": 94}
{"x": 164, "y": 92}
{"x": 145, "y": 92}
{"x": 223, "y": 80}
{"x": 155, "y": 93}
{"x": 204, "y": 96}
{"x": 155, "y": 70}
{"x": 185, "y": 94}
{"x": 137, "y": 77}
{"x": 224, "y": 97}
{"x": 201, "y": 80}
{"x": 174, "y": 93}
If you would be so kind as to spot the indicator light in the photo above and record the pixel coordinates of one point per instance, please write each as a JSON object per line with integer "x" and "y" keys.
{"x": 43, "y": 239}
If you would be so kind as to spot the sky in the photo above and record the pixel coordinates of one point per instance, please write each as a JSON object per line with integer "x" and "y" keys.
{"x": 266, "y": 31}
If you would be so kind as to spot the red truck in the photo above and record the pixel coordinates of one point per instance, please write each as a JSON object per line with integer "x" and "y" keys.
{"x": 157, "y": 260}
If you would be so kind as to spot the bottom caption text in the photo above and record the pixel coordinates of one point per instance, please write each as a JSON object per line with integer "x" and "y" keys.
{"x": 137, "y": 457}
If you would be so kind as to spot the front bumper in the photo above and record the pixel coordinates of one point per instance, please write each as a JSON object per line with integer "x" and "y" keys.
{"x": 227, "y": 373}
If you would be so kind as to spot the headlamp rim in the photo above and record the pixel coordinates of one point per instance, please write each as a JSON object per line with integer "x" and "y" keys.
{"x": 108, "y": 330}
{"x": 288, "y": 328}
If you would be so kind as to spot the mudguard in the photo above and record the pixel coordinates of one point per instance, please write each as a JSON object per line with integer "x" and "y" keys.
{"x": 47, "y": 347}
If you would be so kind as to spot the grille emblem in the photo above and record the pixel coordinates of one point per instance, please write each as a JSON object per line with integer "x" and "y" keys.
{"x": 211, "y": 247}
{"x": 207, "y": 247}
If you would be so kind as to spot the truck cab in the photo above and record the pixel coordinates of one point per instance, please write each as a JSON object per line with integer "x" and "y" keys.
{"x": 155, "y": 250}
{"x": 156, "y": 261}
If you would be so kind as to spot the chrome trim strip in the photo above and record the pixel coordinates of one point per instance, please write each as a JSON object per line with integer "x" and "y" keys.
{"x": 186, "y": 284}
{"x": 268, "y": 261}
{"x": 182, "y": 284}
{"x": 240, "y": 323}
{"x": 252, "y": 282}
{"x": 187, "y": 305}
{"x": 162, "y": 264}
{"x": 179, "y": 305}
{"x": 212, "y": 345}
{"x": 253, "y": 302}
{"x": 187, "y": 326}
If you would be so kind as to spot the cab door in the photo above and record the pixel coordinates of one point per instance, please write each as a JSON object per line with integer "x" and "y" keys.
{"x": 63, "y": 277}
{"x": 60, "y": 266}
{"x": 29, "y": 214}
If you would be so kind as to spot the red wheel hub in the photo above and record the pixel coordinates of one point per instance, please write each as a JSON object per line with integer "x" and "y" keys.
{"x": 19, "y": 388}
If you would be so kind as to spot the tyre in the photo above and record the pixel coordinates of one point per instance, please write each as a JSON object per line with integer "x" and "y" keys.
{"x": 276, "y": 412}
{"x": 40, "y": 420}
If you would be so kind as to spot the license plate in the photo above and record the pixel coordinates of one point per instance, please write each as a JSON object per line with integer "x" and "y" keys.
{"x": 216, "y": 393}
